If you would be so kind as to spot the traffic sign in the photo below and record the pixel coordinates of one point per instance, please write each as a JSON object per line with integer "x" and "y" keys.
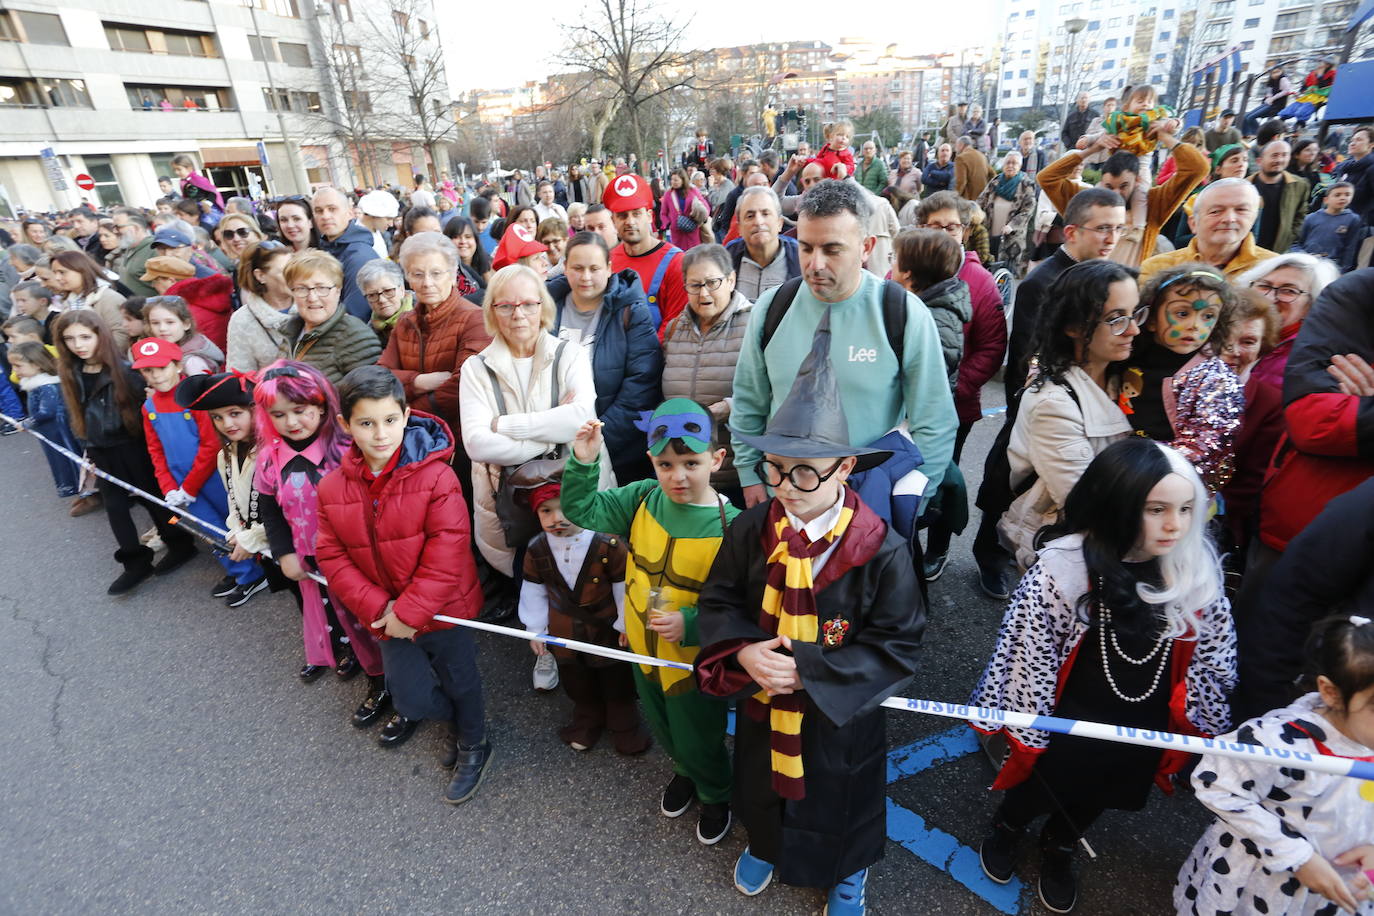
{"x": 85, "y": 182}
{"x": 53, "y": 168}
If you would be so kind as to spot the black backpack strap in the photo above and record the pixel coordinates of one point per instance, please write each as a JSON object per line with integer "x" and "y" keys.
{"x": 894, "y": 318}
{"x": 495, "y": 385}
{"x": 777, "y": 308}
{"x": 557, "y": 358}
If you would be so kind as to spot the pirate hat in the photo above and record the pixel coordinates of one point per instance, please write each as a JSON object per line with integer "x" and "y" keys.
{"x": 810, "y": 423}
{"x": 209, "y": 392}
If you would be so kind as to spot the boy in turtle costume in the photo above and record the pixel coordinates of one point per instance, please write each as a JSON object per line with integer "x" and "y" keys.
{"x": 674, "y": 526}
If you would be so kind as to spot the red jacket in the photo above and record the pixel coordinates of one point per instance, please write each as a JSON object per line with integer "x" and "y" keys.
{"x": 1329, "y": 448}
{"x": 985, "y": 339}
{"x": 437, "y": 338}
{"x": 204, "y": 465}
{"x": 1261, "y": 427}
{"x": 402, "y": 536}
{"x": 211, "y": 305}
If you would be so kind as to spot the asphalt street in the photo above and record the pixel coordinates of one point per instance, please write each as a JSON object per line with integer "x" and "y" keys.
{"x": 164, "y": 758}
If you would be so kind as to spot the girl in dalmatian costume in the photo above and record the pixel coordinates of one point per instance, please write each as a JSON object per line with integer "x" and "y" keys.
{"x": 1288, "y": 840}
{"x": 1122, "y": 620}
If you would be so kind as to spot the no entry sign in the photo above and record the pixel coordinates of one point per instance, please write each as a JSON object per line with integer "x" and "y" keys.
{"x": 85, "y": 182}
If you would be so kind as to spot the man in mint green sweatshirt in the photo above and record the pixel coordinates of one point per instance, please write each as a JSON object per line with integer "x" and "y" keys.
{"x": 876, "y": 394}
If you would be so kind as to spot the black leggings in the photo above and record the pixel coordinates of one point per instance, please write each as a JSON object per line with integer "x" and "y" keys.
{"x": 1067, "y": 821}
{"x": 131, "y": 464}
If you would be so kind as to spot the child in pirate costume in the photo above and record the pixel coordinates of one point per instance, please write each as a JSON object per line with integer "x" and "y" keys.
{"x": 674, "y": 526}
{"x": 574, "y": 588}
{"x": 812, "y": 616}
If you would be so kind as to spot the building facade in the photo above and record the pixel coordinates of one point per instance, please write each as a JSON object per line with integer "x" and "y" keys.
{"x": 113, "y": 89}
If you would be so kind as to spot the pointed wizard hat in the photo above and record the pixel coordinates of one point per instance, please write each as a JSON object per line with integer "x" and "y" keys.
{"x": 810, "y": 422}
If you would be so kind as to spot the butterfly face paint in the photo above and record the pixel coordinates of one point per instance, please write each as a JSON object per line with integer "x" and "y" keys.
{"x": 1186, "y": 319}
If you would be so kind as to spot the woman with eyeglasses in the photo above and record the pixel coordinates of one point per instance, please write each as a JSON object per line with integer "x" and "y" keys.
{"x": 524, "y": 396}
{"x": 429, "y": 344}
{"x": 321, "y": 332}
{"x": 257, "y": 331}
{"x": 384, "y": 287}
{"x": 1069, "y": 411}
{"x": 605, "y": 314}
{"x": 702, "y": 344}
{"x": 1292, "y": 282}
{"x": 296, "y": 222}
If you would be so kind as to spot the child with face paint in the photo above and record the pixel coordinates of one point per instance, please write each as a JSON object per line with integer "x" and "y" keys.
{"x": 1189, "y": 398}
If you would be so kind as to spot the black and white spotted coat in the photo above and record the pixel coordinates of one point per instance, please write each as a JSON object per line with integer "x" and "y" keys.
{"x": 1271, "y": 819}
{"x": 1040, "y": 631}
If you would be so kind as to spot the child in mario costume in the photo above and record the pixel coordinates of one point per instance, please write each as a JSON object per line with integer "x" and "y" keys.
{"x": 673, "y": 525}
{"x": 519, "y": 246}
{"x": 574, "y": 588}
{"x": 183, "y": 445}
{"x": 811, "y": 618}
{"x": 658, "y": 263}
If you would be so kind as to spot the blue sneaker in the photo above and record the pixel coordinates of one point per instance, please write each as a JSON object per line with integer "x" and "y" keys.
{"x": 848, "y": 898}
{"x": 752, "y": 875}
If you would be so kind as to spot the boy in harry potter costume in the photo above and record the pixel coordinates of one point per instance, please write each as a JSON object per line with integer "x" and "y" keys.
{"x": 811, "y": 616}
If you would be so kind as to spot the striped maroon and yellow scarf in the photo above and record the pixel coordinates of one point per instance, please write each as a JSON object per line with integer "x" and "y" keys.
{"x": 789, "y": 609}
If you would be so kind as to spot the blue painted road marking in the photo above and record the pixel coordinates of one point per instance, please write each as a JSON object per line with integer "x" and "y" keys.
{"x": 931, "y": 844}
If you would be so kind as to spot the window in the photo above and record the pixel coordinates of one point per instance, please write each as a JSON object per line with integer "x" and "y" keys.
{"x": 1283, "y": 43}
{"x": 1108, "y": 64}
{"x": 288, "y": 8}
{"x": 1094, "y": 25}
{"x": 424, "y": 29}
{"x": 1013, "y": 17}
{"x": 1007, "y": 75}
{"x": 1126, "y": 42}
{"x": 1105, "y": 84}
{"x": 1287, "y": 21}
{"x": 343, "y": 10}
{"x": 349, "y": 54}
{"x": 1251, "y": 24}
{"x": 106, "y": 185}
{"x": 359, "y": 101}
{"x": 126, "y": 39}
{"x": 1006, "y": 93}
{"x": 293, "y": 54}
{"x": 1109, "y": 43}
{"x": 1165, "y": 36}
{"x": 1157, "y": 79}
{"x": 284, "y": 100}
{"x": 261, "y": 48}
{"x": 1020, "y": 93}
{"x": 401, "y": 19}
{"x": 43, "y": 93}
{"x": 1114, "y": 22}
{"x": 1221, "y": 8}
{"x": 42, "y": 28}
{"x": 151, "y": 97}
{"x": 1161, "y": 58}
{"x": 1024, "y": 74}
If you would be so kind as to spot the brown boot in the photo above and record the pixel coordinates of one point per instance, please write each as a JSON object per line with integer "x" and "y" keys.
{"x": 85, "y": 505}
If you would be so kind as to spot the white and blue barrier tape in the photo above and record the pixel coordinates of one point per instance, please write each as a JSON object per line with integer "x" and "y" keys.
{"x": 981, "y": 715}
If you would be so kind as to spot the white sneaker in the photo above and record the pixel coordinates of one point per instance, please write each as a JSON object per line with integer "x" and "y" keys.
{"x": 545, "y": 672}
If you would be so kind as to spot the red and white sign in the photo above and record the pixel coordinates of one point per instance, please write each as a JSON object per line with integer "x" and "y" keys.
{"x": 85, "y": 182}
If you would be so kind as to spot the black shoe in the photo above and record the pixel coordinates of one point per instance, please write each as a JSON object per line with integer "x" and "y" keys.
{"x": 347, "y": 667}
{"x": 450, "y": 756}
{"x": 714, "y": 823}
{"x": 678, "y": 796}
{"x": 176, "y": 558}
{"x": 468, "y": 772}
{"x": 993, "y": 583}
{"x": 397, "y": 730}
{"x": 374, "y": 705}
{"x": 997, "y": 853}
{"x": 138, "y": 565}
{"x": 1058, "y": 887}
{"x": 932, "y": 567}
{"x": 223, "y": 587}
{"x": 309, "y": 673}
{"x": 242, "y": 594}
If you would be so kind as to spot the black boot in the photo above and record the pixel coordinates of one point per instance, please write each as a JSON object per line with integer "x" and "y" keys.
{"x": 450, "y": 745}
{"x": 468, "y": 772}
{"x": 138, "y": 565}
{"x": 1058, "y": 886}
{"x": 997, "y": 852}
{"x": 377, "y": 702}
{"x": 177, "y": 556}
{"x": 397, "y": 730}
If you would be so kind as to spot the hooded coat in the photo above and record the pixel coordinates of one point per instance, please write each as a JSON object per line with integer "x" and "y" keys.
{"x": 210, "y": 304}
{"x": 627, "y": 361}
{"x": 952, "y": 308}
{"x": 435, "y": 338}
{"x": 353, "y": 248}
{"x": 404, "y": 537}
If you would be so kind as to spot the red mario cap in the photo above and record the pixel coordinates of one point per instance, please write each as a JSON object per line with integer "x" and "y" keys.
{"x": 518, "y": 242}
{"x": 153, "y": 353}
{"x": 628, "y": 192}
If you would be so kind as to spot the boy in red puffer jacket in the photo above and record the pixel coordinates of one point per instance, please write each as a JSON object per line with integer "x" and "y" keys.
{"x": 395, "y": 543}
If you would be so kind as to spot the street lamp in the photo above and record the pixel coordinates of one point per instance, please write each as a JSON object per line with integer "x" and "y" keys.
{"x": 1073, "y": 26}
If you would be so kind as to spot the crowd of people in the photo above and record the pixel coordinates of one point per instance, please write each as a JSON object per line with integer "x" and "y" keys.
{"x": 718, "y": 423}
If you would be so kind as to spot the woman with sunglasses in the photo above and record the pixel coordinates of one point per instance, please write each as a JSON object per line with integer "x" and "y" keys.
{"x": 296, "y": 223}
{"x": 1292, "y": 282}
{"x": 1068, "y": 413}
{"x": 1175, "y": 388}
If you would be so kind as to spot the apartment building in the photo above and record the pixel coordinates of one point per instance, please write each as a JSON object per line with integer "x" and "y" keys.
{"x": 113, "y": 89}
{"x": 1270, "y": 32}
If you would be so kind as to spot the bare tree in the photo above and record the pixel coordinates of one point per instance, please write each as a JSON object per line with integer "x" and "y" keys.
{"x": 402, "y": 47}
{"x": 629, "y": 51}
{"x": 584, "y": 98}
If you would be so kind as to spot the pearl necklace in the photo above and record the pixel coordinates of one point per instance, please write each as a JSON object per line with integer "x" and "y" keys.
{"x": 1107, "y": 635}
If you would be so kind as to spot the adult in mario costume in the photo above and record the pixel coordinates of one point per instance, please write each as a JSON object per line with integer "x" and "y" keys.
{"x": 658, "y": 263}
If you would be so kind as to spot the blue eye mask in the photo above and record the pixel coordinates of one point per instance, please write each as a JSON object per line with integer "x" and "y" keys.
{"x": 677, "y": 418}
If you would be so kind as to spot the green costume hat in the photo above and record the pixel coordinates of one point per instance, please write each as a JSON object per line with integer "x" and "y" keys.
{"x": 677, "y": 418}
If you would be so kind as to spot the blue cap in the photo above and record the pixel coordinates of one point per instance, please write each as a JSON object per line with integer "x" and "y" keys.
{"x": 172, "y": 237}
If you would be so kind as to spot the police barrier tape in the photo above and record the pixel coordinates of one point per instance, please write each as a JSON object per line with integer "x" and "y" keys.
{"x": 983, "y": 715}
